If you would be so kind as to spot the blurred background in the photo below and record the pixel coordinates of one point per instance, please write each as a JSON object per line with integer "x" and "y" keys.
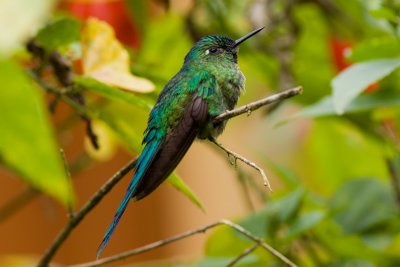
{"x": 331, "y": 153}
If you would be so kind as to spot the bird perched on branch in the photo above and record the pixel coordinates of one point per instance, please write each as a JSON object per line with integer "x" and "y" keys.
{"x": 208, "y": 84}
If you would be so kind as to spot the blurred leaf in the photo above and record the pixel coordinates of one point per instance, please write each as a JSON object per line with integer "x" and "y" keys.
{"x": 363, "y": 204}
{"x": 259, "y": 67}
{"x": 352, "y": 81}
{"x": 123, "y": 126}
{"x": 139, "y": 13}
{"x": 304, "y": 222}
{"x": 273, "y": 215}
{"x": 376, "y": 48}
{"x": 59, "y": 33}
{"x": 105, "y": 59}
{"x": 335, "y": 151}
{"x": 362, "y": 103}
{"x": 17, "y": 25}
{"x": 289, "y": 205}
{"x": 351, "y": 263}
{"x": 312, "y": 64}
{"x": 346, "y": 247}
{"x": 353, "y": 18}
{"x": 286, "y": 174}
{"x": 182, "y": 187}
{"x": 248, "y": 261}
{"x": 112, "y": 92}
{"x": 27, "y": 143}
{"x": 224, "y": 242}
{"x": 261, "y": 223}
{"x": 384, "y": 13}
{"x": 163, "y": 52}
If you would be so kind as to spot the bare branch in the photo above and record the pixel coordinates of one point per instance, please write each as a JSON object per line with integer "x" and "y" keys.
{"x": 157, "y": 244}
{"x": 243, "y": 159}
{"x": 242, "y": 255}
{"x": 80, "y": 215}
{"x": 259, "y": 241}
{"x": 257, "y": 104}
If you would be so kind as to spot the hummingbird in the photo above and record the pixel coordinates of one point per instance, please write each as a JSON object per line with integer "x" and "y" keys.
{"x": 208, "y": 84}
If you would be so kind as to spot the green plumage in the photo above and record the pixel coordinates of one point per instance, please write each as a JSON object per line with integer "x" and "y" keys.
{"x": 208, "y": 84}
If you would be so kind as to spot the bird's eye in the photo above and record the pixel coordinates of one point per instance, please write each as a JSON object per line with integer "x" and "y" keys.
{"x": 212, "y": 50}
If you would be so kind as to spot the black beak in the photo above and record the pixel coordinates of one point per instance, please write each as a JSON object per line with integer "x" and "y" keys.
{"x": 247, "y": 36}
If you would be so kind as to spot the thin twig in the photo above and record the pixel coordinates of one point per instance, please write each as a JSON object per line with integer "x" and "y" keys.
{"x": 64, "y": 96}
{"x": 68, "y": 174}
{"x": 257, "y": 104}
{"x": 243, "y": 159}
{"x": 242, "y": 177}
{"x": 78, "y": 217}
{"x": 246, "y": 252}
{"x": 186, "y": 234}
{"x": 259, "y": 241}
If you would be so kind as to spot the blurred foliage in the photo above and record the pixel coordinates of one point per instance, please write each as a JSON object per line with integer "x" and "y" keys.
{"x": 349, "y": 213}
{"x": 26, "y": 143}
{"x": 340, "y": 196}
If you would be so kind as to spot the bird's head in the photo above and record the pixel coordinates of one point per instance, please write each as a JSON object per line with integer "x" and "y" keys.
{"x": 217, "y": 49}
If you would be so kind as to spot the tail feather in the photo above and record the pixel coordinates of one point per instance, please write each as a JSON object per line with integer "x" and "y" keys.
{"x": 143, "y": 163}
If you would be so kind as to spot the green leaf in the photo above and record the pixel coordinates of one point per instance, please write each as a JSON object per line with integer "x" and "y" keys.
{"x": 375, "y": 48}
{"x": 363, "y": 204}
{"x": 18, "y": 19}
{"x": 336, "y": 151}
{"x": 312, "y": 64}
{"x": 352, "y": 81}
{"x": 277, "y": 212}
{"x": 286, "y": 174}
{"x": 139, "y": 13}
{"x": 352, "y": 263}
{"x": 384, "y": 13}
{"x": 289, "y": 205}
{"x": 59, "y": 33}
{"x": 112, "y": 93}
{"x": 345, "y": 246}
{"x": 225, "y": 242}
{"x": 304, "y": 222}
{"x": 27, "y": 143}
{"x": 153, "y": 58}
{"x": 249, "y": 260}
{"x": 182, "y": 187}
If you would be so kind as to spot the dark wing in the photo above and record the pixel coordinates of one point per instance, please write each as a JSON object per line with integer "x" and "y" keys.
{"x": 163, "y": 151}
{"x": 175, "y": 146}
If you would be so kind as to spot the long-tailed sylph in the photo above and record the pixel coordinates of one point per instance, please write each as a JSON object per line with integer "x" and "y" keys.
{"x": 208, "y": 84}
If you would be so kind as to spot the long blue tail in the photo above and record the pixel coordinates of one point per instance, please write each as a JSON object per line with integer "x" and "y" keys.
{"x": 142, "y": 165}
